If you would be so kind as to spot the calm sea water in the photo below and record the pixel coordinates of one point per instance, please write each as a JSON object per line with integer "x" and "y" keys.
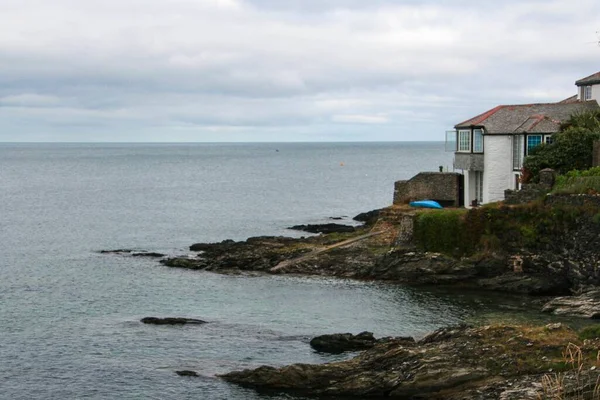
{"x": 69, "y": 317}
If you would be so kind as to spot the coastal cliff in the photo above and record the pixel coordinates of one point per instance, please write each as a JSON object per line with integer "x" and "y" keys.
{"x": 543, "y": 248}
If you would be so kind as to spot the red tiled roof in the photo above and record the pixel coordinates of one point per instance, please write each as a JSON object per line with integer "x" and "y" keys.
{"x": 527, "y": 118}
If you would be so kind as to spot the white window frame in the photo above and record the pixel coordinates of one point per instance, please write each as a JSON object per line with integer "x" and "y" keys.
{"x": 587, "y": 92}
{"x": 548, "y": 139}
{"x": 478, "y": 140}
{"x": 464, "y": 141}
{"x": 518, "y": 146}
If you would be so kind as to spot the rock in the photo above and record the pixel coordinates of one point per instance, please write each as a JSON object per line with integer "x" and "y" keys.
{"x": 369, "y": 218}
{"x": 187, "y": 373}
{"x": 133, "y": 253}
{"x": 554, "y": 327}
{"x": 172, "y": 321}
{"x": 453, "y": 363}
{"x": 148, "y": 254}
{"x": 324, "y": 228}
{"x": 586, "y": 305}
{"x": 341, "y": 342}
{"x": 118, "y": 251}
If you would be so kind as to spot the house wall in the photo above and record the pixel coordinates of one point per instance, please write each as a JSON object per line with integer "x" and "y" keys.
{"x": 498, "y": 174}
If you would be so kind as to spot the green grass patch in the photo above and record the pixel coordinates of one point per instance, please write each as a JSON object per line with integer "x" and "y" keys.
{"x": 590, "y": 332}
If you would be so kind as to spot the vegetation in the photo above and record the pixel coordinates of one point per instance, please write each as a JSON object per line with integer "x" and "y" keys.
{"x": 460, "y": 233}
{"x": 571, "y": 150}
{"x": 578, "y": 182}
{"x": 590, "y": 332}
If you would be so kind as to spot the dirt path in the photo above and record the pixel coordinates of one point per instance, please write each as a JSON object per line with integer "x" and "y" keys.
{"x": 316, "y": 252}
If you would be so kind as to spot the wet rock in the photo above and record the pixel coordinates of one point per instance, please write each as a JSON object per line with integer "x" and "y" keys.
{"x": 149, "y": 254}
{"x": 369, "y": 218}
{"x": 453, "y": 363}
{"x": 586, "y": 305}
{"x": 324, "y": 228}
{"x": 341, "y": 342}
{"x": 171, "y": 321}
{"x": 133, "y": 253}
{"x": 118, "y": 251}
{"x": 187, "y": 373}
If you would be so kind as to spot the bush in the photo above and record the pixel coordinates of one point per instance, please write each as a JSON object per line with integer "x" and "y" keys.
{"x": 590, "y": 332}
{"x": 578, "y": 182}
{"x": 572, "y": 148}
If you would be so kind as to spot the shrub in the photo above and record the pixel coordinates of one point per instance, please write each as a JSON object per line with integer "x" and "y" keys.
{"x": 590, "y": 332}
{"x": 572, "y": 148}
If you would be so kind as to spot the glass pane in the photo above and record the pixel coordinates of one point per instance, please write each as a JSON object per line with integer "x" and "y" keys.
{"x": 478, "y": 141}
{"x": 464, "y": 140}
{"x": 533, "y": 141}
{"x": 450, "y": 141}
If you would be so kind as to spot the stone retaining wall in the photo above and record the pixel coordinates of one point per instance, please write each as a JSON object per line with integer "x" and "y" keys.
{"x": 443, "y": 187}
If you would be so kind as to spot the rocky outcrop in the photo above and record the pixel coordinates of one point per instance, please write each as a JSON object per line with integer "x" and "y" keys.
{"x": 369, "y": 217}
{"x": 324, "y": 228}
{"x": 341, "y": 342}
{"x": 493, "y": 362}
{"x": 172, "y": 321}
{"x": 134, "y": 253}
{"x": 187, "y": 373}
{"x": 586, "y": 305}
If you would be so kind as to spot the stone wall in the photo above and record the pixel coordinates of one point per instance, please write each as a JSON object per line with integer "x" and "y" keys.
{"x": 596, "y": 155}
{"x": 532, "y": 191}
{"x": 443, "y": 187}
{"x": 576, "y": 200}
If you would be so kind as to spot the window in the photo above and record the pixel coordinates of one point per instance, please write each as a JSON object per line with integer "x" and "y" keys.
{"x": 587, "y": 93}
{"x": 517, "y": 152}
{"x": 479, "y": 186}
{"x": 548, "y": 139}
{"x": 477, "y": 141}
{"x": 464, "y": 140}
{"x": 533, "y": 141}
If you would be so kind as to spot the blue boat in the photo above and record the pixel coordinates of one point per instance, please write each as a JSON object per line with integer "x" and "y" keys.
{"x": 425, "y": 204}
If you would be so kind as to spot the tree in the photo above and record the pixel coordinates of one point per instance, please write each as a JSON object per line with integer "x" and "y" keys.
{"x": 571, "y": 150}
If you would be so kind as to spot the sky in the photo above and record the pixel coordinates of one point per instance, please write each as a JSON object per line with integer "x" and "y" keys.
{"x": 281, "y": 70}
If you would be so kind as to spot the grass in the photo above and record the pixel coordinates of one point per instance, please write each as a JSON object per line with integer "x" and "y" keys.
{"x": 576, "y": 383}
{"x": 578, "y": 182}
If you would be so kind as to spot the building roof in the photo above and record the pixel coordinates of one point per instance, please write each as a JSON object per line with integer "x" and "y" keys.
{"x": 527, "y": 118}
{"x": 589, "y": 80}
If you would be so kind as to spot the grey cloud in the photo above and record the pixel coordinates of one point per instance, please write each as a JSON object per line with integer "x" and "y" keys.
{"x": 224, "y": 67}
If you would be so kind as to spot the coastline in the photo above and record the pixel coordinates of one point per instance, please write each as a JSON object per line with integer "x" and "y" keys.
{"x": 378, "y": 251}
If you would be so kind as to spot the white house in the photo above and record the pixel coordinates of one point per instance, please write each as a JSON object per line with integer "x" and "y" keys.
{"x": 490, "y": 147}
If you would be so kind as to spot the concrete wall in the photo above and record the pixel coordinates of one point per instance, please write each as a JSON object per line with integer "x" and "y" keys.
{"x": 498, "y": 173}
{"x": 443, "y": 187}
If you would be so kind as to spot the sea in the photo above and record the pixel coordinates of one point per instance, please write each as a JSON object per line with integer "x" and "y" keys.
{"x": 70, "y": 316}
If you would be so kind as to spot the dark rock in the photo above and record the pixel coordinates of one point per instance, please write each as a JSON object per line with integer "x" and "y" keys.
{"x": 148, "y": 254}
{"x": 172, "y": 321}
{"x": 118, "y": 251}
{"x": 369, "y": 218}
{"x": 324, "y": 228}
{"x": 484, "y": 363}
{"x": 341, "y": 342}
{"x": 133, "y": 253}
{"x": 586, "y": 305}
{"x": 187, "y": 373}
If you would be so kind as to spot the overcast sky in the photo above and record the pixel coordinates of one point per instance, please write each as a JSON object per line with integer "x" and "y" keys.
{"x": 281, "y": 70}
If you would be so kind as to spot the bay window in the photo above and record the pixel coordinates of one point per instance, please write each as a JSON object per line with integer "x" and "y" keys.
{"x": 464, "y": 141}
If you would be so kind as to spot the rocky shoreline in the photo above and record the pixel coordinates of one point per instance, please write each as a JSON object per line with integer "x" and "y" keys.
{"x": 493, "y": 362}
{"x": 480, "y": 363}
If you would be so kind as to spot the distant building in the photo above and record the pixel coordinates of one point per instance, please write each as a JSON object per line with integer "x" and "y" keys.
{"x": 490, "y": 147}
